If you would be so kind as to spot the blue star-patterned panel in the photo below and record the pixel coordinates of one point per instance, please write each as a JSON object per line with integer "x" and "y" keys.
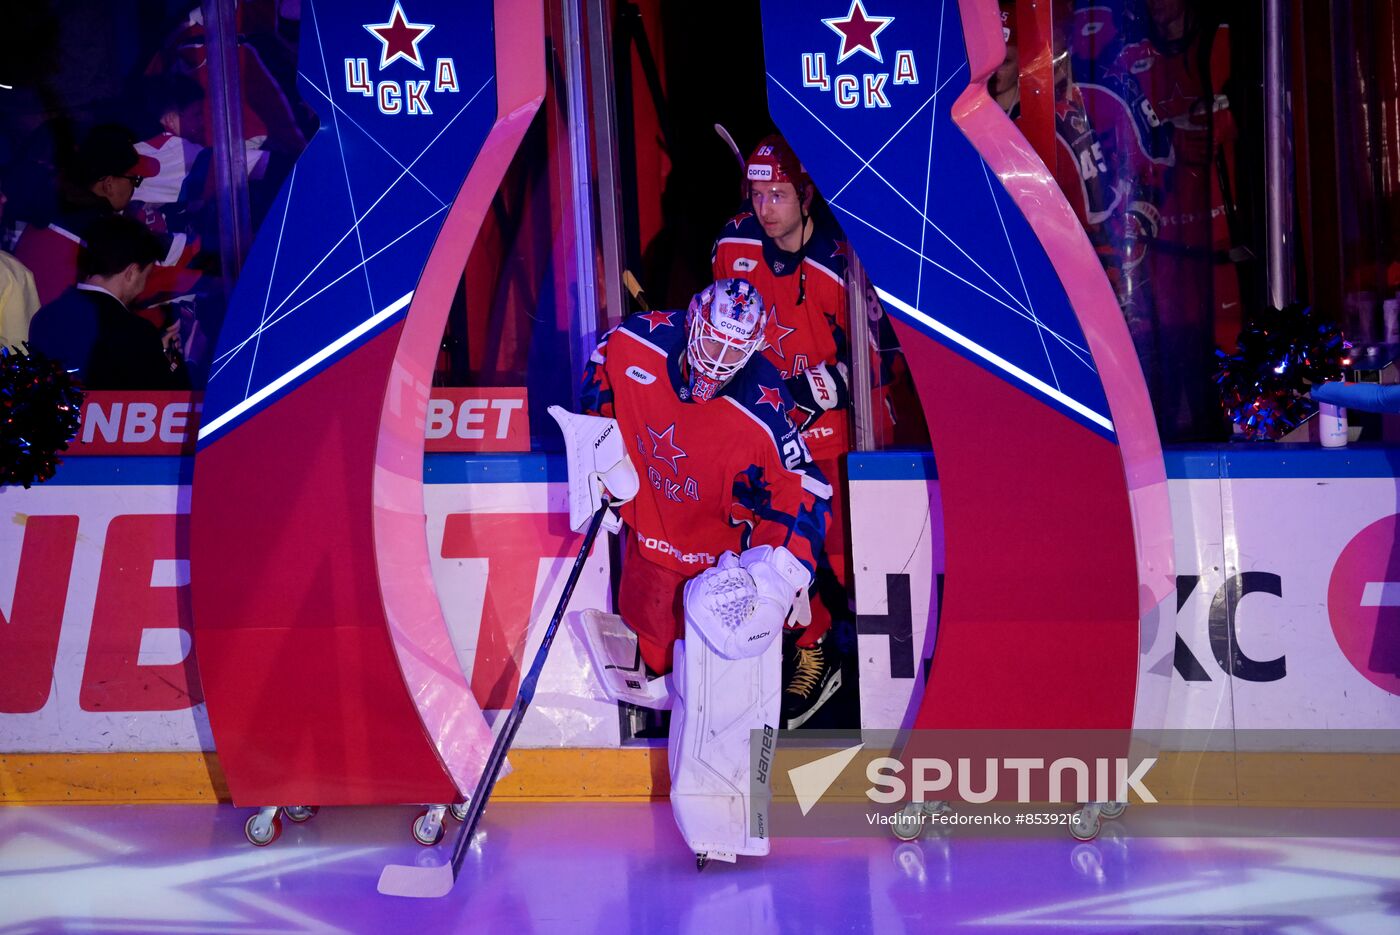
{"x": 863, "y": 90}
{"x": 405, "y": 90}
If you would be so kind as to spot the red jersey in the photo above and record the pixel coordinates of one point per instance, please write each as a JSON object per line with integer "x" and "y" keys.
{"x": 1081, "y": 166}
{"x": 803, "y": 335}
{"x": 1185, "y": 81}
{"x": 51, "y": 253}
{"x": 1173, "y": 77}
{"x": 727, "y": 474}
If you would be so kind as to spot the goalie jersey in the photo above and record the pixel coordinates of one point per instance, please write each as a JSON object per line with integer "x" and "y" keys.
{"x": 727, "y": 474}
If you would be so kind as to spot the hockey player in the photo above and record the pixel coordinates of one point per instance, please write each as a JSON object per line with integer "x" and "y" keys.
{"x": 731, "y": 475}
{"x": 720, "y": 542}
{"x": 1080, "y": 167}
{"x": 798, "y": 265}
{"x": 1154, "y": 79}
{"x": 1183, "y": 65}
{"x": 1110, "y": 153}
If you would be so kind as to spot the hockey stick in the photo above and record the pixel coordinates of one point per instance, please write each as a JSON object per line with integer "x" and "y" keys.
{"x": 733, "y": 147}
{"x": 635, "y": 289}
{"x": 433, "y": 882}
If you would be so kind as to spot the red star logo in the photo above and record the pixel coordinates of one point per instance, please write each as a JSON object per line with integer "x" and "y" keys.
{"x": 664, "y": 448}
{"x": 771, "y": 396}
{"x": 1175, "y": 104}
{"x": 842, "y": 249}
{"x": 400, "y": 38}
{"x": 777, "y": 333}
{"x": 858, "y": 32}
{"x": 655, "y": 320}
{"x": 738, "y": 219}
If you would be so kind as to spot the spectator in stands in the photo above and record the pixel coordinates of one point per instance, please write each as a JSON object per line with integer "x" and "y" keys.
{"x": 100, "y": 181}
{"x": 18, "y": 300}
{"x": 175, "y": 104}
{"x": 92, "y": 329}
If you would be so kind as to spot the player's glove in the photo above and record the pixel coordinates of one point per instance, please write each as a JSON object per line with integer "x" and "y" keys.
{"x": 780, "y": 582}
{"x": 819, "y": 389}
{"x": 740, "y": 605}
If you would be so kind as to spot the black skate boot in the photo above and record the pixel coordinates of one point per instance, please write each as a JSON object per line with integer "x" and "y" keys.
{"x": 816, "y": 677}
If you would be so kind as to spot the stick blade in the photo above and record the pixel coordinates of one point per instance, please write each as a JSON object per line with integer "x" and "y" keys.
{"x": 729, "y": 141}
{"x": 417, "y": 882}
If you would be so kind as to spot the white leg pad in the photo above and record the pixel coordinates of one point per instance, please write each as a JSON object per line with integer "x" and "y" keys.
{"x": 718, "y": 703}
{"x": 617, "y": 661}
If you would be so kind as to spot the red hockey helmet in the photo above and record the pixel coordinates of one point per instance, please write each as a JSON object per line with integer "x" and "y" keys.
{"x": 774, "y": 161}
{"x": 726, "y": 321}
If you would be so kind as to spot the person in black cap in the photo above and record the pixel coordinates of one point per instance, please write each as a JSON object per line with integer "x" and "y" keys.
{"x": 100, "y": 181}
{"x": 90, "y": 327}
{"x": 108, "y": 168}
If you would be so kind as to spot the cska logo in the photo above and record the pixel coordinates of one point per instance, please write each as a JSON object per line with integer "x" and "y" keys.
{"x": 859, "y": 32}
{"x": 665, "y": 450}
{"x": 399, "y": 38}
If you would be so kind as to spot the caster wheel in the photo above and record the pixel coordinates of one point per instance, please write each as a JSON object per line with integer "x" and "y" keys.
{"x": 906, "y": 827}
{"x": 700, "y": 861}
{"x": 1086, "y": 829}
{"x": 300, "y": 813}
{"x": 262, "y": 833}
{"x": 908, "y": 824}
{"x": 428, "y": 830}
{"x": 1113, "y": 810}
{"x": 459, "y": 812}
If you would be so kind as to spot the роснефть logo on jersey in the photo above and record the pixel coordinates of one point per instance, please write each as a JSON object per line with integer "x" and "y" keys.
{"x": 858, "y": 31}
{"x": 399, "y": 38}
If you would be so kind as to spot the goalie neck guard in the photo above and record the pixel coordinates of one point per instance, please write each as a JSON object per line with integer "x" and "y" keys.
{"x": 726, "y": 322}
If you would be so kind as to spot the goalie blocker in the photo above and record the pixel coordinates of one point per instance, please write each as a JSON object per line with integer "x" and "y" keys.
{"x": 597, "y": 460}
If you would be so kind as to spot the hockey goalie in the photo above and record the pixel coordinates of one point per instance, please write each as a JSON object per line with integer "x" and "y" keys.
{"x": 722, "y": 518}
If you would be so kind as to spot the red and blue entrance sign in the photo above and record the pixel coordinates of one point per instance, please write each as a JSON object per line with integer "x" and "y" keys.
{"x": 326, "y": 663}
{"x": 405, "y": 106}
{"x": 1054, "y": 496}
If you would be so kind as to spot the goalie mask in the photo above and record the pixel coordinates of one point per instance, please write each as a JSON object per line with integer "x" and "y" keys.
{"x": 726, "y": 322}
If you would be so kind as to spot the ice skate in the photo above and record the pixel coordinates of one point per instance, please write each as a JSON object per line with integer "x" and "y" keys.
{"x": 815, "y": 679}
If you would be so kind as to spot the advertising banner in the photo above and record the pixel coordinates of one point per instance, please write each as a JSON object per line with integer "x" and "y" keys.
{"x": 1287, "y": 618}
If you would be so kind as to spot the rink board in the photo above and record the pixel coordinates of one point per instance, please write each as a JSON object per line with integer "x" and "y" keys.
{"x": 1288, "y": 615}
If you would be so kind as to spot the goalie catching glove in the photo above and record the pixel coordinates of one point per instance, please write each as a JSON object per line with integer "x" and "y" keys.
{"x": 739, "y": 606}
{"x": 820, "y": 388}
